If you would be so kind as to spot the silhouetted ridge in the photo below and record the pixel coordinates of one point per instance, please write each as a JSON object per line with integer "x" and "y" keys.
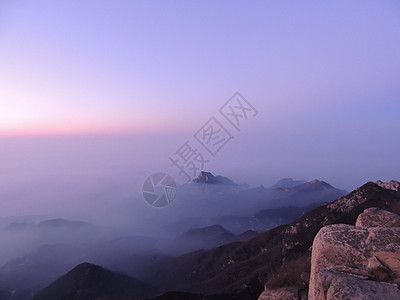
{"x": 313, "y": 185}
{"x": 88, "y": 281}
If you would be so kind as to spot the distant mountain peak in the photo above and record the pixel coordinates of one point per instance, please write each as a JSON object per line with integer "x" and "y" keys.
{"x": 315, "y": 181}
{"x": 209, "y": 178}
{"x": 89, "y": 281}
{"x": 206, "y": 177}
{"x": 88, "y": 268}
{"x": 320, "y": 183}
{"x": 314, "y": 185}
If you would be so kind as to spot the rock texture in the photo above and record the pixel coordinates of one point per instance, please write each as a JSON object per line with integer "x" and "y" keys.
{"x": 391, "y": 185}
{"x": 285, "y": 293}
{"x": 357, "y": 262}
{"x": 375, "y": 217}
{"x": 349, "y": 287}
{"x": 205, "y": 177}
{"x": 294, "y": 241}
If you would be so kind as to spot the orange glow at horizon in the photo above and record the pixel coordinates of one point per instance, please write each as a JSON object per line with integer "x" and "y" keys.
{"x": 84, "y": 127}
{"x": 60, "y": 131}
{"x": 75, "y": 128}
{"x": 31, "y": 118}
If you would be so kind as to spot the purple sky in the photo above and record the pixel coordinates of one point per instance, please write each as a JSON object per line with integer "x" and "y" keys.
{"x": 324, "y": 77}
{"x": 164, "y": 66}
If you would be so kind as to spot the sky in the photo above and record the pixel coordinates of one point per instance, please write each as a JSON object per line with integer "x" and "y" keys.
{"x": 323, "y": 77}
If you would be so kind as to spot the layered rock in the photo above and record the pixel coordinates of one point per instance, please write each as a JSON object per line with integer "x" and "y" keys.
{"x": 357, "y": 262}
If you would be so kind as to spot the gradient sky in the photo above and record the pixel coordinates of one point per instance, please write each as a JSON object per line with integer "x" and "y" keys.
{"x": 323, "y": 75}
{"x": 165, "y": 66}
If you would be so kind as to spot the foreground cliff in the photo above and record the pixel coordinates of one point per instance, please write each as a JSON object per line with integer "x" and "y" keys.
{"x": 291, "y": 280}
{"x": 357, "y": 262}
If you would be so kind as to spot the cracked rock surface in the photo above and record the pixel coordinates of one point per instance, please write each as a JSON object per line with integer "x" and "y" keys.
{"x": 357, "y": 262}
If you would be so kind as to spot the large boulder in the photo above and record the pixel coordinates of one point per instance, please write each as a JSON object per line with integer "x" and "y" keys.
{"x": 351, "y": 262}
{"x": 355, "y": 287}
{"x": 375, "y": 217}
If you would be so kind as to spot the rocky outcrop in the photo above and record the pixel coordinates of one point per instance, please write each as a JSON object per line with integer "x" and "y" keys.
{"x": 375, "y": 217}
{"x": 357, "y": 262}
{"x": 297, "y": 238}
{"x": 353, "y": 287}
{"x": 205, "y": 177}
{"x": 391, "y": 185}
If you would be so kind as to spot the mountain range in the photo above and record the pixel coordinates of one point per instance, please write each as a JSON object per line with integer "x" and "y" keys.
{"x": 278, "y": 257}
{"x": 201, "y": 262}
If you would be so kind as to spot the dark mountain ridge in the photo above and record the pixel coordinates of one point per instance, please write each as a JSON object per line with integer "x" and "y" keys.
{"x": 88, "y": 281}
